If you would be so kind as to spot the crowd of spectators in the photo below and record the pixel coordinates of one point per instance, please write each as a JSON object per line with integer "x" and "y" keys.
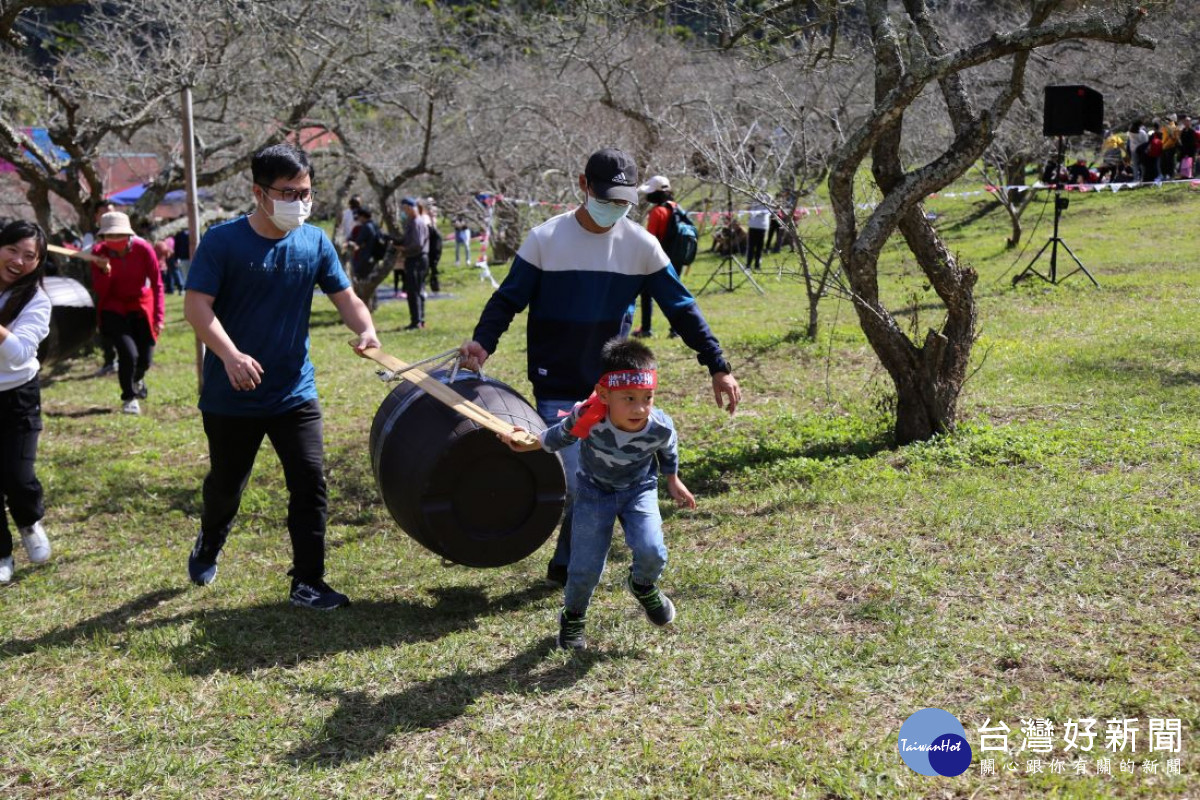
{"x": 1164, "y": 149}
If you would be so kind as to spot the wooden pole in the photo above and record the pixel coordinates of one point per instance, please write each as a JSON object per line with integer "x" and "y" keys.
{"x": 193, "y": 210}
{"x": 447, "y": 396}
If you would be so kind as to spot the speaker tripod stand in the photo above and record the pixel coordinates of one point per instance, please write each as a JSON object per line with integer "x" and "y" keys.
{"x": 723, "y": 276}
{"x": 1060, "y": 204}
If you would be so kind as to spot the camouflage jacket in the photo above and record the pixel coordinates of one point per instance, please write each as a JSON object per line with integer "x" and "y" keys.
{"x": 615, "y": 459}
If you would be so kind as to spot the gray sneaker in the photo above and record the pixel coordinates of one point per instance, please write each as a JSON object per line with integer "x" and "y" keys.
{"x": 658, "y": 607}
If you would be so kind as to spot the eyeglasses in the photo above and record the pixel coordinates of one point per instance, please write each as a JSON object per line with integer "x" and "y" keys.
{"x": 618, "y": 203}
{"x": 291, "y": 195}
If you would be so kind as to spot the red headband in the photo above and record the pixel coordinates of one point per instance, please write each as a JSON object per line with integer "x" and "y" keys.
{"x": 630, "y": 379}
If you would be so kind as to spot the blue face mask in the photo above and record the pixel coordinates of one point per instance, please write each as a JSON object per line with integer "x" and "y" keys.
{"x": 605, "y": 214}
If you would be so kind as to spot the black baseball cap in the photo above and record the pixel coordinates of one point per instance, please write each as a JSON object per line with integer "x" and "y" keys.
{"x": 612, "y": 174}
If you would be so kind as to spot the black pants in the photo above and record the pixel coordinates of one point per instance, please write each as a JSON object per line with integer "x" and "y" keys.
{"x": 774, "y": 235}
{"x": 298, "y": 439}
{"x": 416, "y": 269}
{"x": 130, "y": 335}
{"x": 434, "y": 284}
{"x": 754, "y": 247}
{"x": 20, "y": 490}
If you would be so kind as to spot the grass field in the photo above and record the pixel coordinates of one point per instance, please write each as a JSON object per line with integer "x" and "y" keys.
{"x": 1039, "y": 564}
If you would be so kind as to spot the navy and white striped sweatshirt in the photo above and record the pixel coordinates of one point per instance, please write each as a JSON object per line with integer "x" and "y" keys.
{"x": 578, "y": 287}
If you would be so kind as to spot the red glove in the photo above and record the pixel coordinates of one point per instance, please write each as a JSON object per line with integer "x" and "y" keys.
{"x": 591, "y": 411}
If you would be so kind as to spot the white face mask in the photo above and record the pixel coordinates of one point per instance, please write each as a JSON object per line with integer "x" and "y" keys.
{"x": 605, "y": 214}
{"x": 289, "y": 216}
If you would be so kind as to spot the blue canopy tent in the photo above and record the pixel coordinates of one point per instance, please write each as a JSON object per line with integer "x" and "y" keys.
{"x": 41, "y": 138}
{"x": 129, "y": 196}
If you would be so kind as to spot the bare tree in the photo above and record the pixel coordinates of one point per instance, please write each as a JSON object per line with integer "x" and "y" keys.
{"x": 911, "y": 56}
{"x": 259, "y": 71}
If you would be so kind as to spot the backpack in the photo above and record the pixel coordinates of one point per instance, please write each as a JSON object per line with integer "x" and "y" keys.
{"x": 681, "y": 241}
{"x": 379, "y": 246}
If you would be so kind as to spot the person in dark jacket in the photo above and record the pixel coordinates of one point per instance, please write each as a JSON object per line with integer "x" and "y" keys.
{"x": 578, "y": 273}
{"x": 415, "y": 246}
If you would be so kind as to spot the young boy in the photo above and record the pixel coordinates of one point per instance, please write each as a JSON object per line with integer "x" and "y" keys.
{"x": 625, "y": 442}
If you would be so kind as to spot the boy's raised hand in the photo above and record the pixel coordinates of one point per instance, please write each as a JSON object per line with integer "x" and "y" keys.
{"x": 683, "y": 498}
{"x": 520, "y": 447}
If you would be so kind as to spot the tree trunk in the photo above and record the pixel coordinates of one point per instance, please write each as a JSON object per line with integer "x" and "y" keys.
{"x": 1017, "y": 199}
{"x": 366, "y": 287}
{"x": 1014, "y": 238}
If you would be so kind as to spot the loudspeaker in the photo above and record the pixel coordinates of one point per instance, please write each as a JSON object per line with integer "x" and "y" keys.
{"x": 1071, "y": 110}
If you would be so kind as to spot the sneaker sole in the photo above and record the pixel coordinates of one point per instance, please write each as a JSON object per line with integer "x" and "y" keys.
{"x": 299, "y": 604}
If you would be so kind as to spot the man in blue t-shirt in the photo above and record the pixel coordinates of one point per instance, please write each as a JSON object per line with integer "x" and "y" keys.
{"x": 249, "y": 297}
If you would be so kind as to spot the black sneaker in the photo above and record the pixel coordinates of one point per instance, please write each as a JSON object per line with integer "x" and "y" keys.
{"x": 570, "y": 631}
{"x": 657, "y": 605}
{"x": 316, "y": 594}
{"x": 141, "y": 390}
{"x": 202, "y": 563}
{"x": 556, "y": 575}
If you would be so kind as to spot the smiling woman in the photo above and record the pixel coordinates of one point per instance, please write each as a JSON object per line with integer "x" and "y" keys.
{"x": 24, "y": 322}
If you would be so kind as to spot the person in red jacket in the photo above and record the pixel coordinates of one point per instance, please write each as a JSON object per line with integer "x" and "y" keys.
{"x": 129, "y": 301}
{"x": 657, "y": 191}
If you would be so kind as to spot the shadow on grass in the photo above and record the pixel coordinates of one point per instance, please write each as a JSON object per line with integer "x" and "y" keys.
{"x": 107, "y": 622}
{"x": 61, "y": 370}
{"x": 1184, "y": 377}
{"x": 76, "y": 413}
{"x": 242, "y": 640}
{"x": 715, "y": 470}
{"x": 980, "y": 211}
{"x": 1119, "y": 369}
{"x": 362, "y": 725}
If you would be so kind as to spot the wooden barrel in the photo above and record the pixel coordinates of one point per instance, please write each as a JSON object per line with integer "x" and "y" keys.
{"x": 453, "y": 486}
{"x": 72, "y": 319}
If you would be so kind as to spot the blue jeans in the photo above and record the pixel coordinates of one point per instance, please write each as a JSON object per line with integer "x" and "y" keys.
{"x": 459, "y": 246}
{"x": 595, "y": 511}
{"x": 548, "y": 411}
{"x": 173, "y": 279}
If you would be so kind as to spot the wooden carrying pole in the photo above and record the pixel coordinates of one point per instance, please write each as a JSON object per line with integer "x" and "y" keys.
{"x": 193, "y": 212}
{"x": 443, "y": 393}
{"x": 66, "y": 251}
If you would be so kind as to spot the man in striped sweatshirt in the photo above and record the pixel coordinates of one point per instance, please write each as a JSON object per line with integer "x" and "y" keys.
{"x": 578, "y": 273}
